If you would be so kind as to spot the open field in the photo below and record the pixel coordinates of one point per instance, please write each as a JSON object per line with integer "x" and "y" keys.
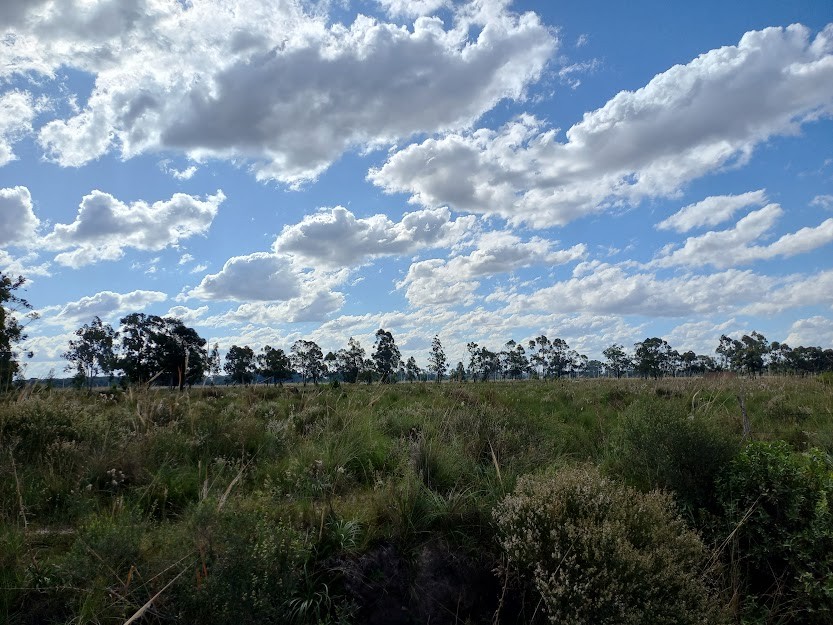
{"x": 392, "y": 504}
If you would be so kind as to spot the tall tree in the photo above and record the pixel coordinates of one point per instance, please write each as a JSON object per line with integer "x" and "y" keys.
{"x": 212, "y": 363}
{"x": 13, "y": 310}
{"x": 156, "y": 348}
{"x": 273, "y": 364}
{"x": 618, "y": 360}
{"x": 93, "y": 352}
{"x": 436, "y": 359}
{"x": 651, "y": 357}
{"x": 240, "y": 364}
{"x": 350, "y": 361}
{"x": 386, "y": 357}
{"x": 308, "y": 360}
{"x": 412, "y": 371}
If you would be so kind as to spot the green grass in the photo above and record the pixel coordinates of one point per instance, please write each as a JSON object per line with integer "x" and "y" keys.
{"x": 262, "y": 502}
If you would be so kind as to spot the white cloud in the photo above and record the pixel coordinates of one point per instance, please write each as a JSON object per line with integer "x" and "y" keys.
{"x": 257, "y": 277}
{"x": 795, "y": 291}
{"x": 178, "y": 174}
{"x": 412, "y": 8}
{"x": 104, "y": 226}
{"x": 188, "y": 316}
{"x": 336, "y": 238}
{"x": 18, "y": 223}
{"x": 185, "y": 259}
{"x": 105, "y": 304}
{"x": 687, "y": 122}
{"x": 453, "y": 282}
{"x": 17, "y": 111}
{"x": 23, "y": 265}
{"x": 603, "y": 289}
{"x": 711, "y": 211}
{"x": 728, "y": 248}
{"x": 822, "y": 201}
{"x": 267, "y": 83}
{"x": 813, "y": 331}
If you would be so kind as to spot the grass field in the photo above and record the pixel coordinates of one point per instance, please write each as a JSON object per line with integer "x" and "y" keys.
{"x": 398, "y": 503}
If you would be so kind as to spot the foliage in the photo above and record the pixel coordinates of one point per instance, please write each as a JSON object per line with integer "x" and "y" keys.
{"x": 240, "y": 364}
{"x": 386, "y": 356}
{"x": 602, "y": 553}
{"x": 308, "y": 360}
{"x": 659, "y": 444}
{"x": 13, "y": 308}
{"x": 93, "y": 351}
{"x": 781, "y": 505}
{"x": 161, "y": 348}
{"x": 437, "y": 362}
{"x": 274, "y": 365}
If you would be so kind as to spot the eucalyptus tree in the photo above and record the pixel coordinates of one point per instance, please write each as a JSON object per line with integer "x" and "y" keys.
{"x": 274, "y": 365}
{"x": 13, "y": 311}
{"x": 240, "y": 364}
{"x": 617, "y": 359}
{"x": 437, "y": 361}
{"x": 92, "y": 352}
{"x": 386, "y": 356}
{"x": 308, "y": 360}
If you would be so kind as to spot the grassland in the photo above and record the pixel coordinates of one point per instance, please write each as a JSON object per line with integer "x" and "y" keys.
{"x": 376, "y": 504}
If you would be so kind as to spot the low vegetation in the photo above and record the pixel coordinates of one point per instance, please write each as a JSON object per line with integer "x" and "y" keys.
{"x": 564, "y": 501}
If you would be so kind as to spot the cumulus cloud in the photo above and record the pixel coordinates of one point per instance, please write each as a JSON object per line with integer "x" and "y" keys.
{"x": 105, "y": 304}
{"x": 711, "y": 211}
{"x": 732, "y": 247}
{"x": 18, "y": 222}
{"x": 822, "y": 201}
{"x": 287, "y": 90}
{"x": 689, "y": 121}
{"x": 412, "y": 8}
{"x": 336, "y": 238}
{"x": 795, "y": 291}
{"x": 605, "y": 289}
{"x": 453, "y": 282}
{"x": 812, "y": 331}
{"x": 17, "y": 111}
{"x": 104, "y": 226}
{"x": 257, "y": 277}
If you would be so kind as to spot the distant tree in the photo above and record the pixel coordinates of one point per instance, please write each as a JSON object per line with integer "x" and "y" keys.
{"x": 240, "y": 364}
{"x": 308, "y": 360}
{"x": 475, "y": 360}
{"x": 618, "y": 360}
{"x": 350, "y": 361}
{"x": 212, "y": 364}
{"x": 436, "y": 359}
{"x": 273, "y": 364}
{"x": 651, "y": 357}
{"x": 595, "y": 368}
{"x": 13, "y": 310}
{"x": 156, "y": 348}
{"x": 412, "y": 371}
{"x": 514, "y": 362}
{"x": 386, "y": 356}
{"x": 459, "y": 374}
{"x": 93, "y": 352}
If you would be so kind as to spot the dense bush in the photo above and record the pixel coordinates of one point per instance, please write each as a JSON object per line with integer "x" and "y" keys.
{"x": 603, "y": 553}
{"x": 779, "y": 502}
{"x": 663, "y": 445}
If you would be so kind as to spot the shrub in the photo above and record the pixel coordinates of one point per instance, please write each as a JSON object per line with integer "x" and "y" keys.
{"x": 600, "y": 552}
{"x": 659, "y": 446}
{"x": 780, "y": 502}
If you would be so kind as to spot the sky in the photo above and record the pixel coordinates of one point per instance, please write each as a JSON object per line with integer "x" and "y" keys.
{"x": 601, "y": 171}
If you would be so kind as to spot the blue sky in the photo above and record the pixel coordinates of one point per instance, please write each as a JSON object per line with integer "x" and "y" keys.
{"x": 485, "y": 171}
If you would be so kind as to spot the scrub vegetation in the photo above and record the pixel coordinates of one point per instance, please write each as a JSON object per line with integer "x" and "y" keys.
{"x": 563, "y": 501}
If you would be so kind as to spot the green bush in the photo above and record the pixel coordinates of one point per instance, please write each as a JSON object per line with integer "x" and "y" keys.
{"x": 659, "y": 445}
{"x": 780, "y": 502}
{"x": 600, "y": 552}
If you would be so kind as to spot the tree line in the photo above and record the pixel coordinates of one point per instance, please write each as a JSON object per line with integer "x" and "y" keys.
{"x": 149, "y": 349}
